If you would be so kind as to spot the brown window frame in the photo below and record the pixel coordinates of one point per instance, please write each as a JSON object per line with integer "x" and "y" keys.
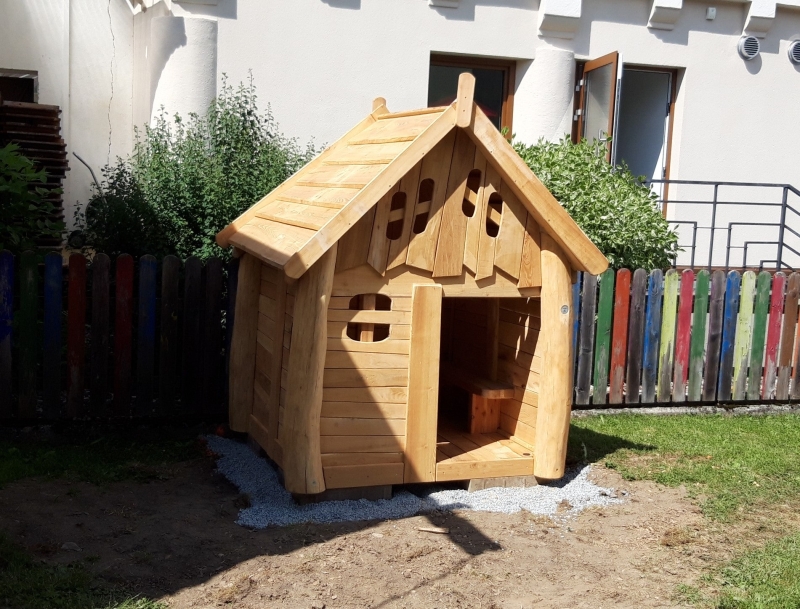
{"x": 509, "y": 68}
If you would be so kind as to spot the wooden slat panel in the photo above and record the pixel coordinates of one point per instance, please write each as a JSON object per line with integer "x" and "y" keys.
{"x": 519, "y": 411}
{"x": 211, "y": 385}
{"x": 335, "y": 198}
{"x": 335, "y": 459}
{"x": 362, "y": 444}
{"x": 732, "y": 287}
{"x": 354, "y": 346}
{"x": 744, "y": 329}
{"x": 390, "y": 128}
{"x": 354, "y": 245}
{"x": 379, "y": 243}
{"x": 398, "y": 248}
{"x": 652, "y": 331}
{"x": 362, "y": 427}
{"x": 435, "y": 166}
{"x": 773, "y": 336}
{"x": 683, "y": 336}
{"x": 370, "y": 317}
{"x": 343, "y": 359}
{"x": 530, "y": 270}
{"x": 363, "y": 377}
{"x": 297, "y": 214}
{"x": 487, "y": 243}
{"x": 364, "y": 410}
{"x": 467, "y": 470}
{"x": 449, "y": 258}
{"x": 399, "y": 303}
{"x": 146, "y": 335}
{"x": 394, "y": 395}
{"x": 168, "y": 337}
{"x": 341, "y": 176}
{"x": 666, "y": 350}
{"x": 475, "y": 224}
{"x": 518, "y": 429}
{"x": 243, "y": 341}
{"x": 348, "y": 476}
{"x": 715, "y": 319}
{"x": 787, "y": 337}
{"x": 508, "y": 245}
{"x": 367, "y": 153}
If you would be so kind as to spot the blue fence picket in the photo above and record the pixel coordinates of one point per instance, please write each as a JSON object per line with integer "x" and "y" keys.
{"x": 146, "y": 335}
{"x": 724, "y": 382}
{"x": 576, "y": 320}
{"x": 652, "y": 335}
{"x": 52, "y": 335}
{"x": 6, "y": 323}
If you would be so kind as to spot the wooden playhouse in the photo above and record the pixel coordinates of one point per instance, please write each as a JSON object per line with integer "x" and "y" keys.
{"x": 403, "y": 311}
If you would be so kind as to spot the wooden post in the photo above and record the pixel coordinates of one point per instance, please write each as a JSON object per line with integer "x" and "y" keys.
{"x": 423, "y": 384}
{"x": 464, "y": 99}
{"x": 555, "y": 392}
{"x": 243, "y": 343}
{"x": 299, "y": 432}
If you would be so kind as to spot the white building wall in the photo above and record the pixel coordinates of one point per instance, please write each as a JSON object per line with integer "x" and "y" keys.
{"x": 319, "y": 63}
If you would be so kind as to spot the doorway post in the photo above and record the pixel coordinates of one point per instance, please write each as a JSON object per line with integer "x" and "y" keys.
{"x": 555, "y": 388}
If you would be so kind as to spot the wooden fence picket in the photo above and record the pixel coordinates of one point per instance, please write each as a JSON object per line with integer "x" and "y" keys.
{"x": 576, "y": 321}
{"x": 619, "y": 338}
{"x": 586, "y": 339}
{"x": 725, "y": 378}
{"x": 52, "y": 336}
{"x": 633, "y": 375}
{"x": 683, "y": 336}
{"x": 697, "y": 351}
{"x": 744, "y": 330}
{"x": 602, "y": 350}
{"x": 760, "y": 311}
{"x": 787, "y": 337}
{"x": 98, "y": 337}
{"x": 716, "y": 308}
{"x": 146, "y": 335}
{"x": 192, "y": 315}
{"x": 123, "y": 335}
{"x": 212, "y": 336}
{"x": 28, "y": 345}
{"x": 652, "y": 328}
{"x": 773, "y": 336}
{"x": 666, "y": 350}
{"x": 168, "y": 338}
{"x": 6, "y": 326}
{"x": 76, "y": 336}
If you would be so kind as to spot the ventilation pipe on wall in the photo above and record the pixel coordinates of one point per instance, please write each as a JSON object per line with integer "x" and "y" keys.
{"x": 749, "y": 47}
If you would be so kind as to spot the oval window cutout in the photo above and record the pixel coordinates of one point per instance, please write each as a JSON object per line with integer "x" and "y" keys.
{"x": 397, "y": 210}
{"x": 423, "y": 207}
{"x": 471, "y": 193}
{"x": 494, "y": 213}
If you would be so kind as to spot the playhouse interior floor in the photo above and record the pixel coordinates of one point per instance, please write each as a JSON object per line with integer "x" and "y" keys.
{"x": 464, "y": 456}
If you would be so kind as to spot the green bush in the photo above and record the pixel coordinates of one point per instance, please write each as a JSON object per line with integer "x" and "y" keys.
{"x": 186, "y": 180}
{"x": 25, "y": 213}
{"x": 615, "y": 210}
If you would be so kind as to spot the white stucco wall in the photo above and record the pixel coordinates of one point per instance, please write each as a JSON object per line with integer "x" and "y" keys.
{"x": 321, "y": 62}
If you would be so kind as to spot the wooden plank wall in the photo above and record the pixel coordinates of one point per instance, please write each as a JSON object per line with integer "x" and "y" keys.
{"x": 365, "y": 395}
{"x": 519, "y": 363}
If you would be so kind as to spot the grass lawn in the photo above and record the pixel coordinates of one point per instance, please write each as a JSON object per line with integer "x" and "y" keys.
{"x": 732, "y": 466}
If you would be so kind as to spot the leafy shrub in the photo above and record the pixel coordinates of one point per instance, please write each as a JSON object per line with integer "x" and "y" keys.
{"x": 186, "y": 180}
{"x": 25, "y": 213}
{"x": 615, "y": 210}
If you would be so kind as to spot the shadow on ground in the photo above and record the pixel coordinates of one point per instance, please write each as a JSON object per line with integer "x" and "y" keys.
{"x": 587, "y": 446}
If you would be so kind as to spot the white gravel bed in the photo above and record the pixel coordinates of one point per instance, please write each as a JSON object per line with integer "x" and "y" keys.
{"x": 272, "y": 505}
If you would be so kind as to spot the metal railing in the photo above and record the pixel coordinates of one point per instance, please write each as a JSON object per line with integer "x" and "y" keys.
{"x": 708, "y": 208}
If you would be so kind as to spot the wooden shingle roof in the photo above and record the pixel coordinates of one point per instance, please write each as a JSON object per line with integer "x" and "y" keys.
{"x": 295, "y": 224}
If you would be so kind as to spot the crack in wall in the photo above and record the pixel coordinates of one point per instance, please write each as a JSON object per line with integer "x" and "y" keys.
{"x": 111, "y": 67}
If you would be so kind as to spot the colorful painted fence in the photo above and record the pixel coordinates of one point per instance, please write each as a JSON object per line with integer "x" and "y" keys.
{"x": 120, "y": 338}
{"x": 688, "y": 336}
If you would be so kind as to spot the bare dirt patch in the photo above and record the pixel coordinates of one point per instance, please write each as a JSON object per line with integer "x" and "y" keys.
{"x": 174, "y": 538}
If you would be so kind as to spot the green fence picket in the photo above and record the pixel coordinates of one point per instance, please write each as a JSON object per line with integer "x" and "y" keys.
{"x": 602, "y": 347}
{"x": 744, "y": 330}
{"x": 666, "y": 352}
{"x": 759, "y": 335}
{"x": 697, "y": 348}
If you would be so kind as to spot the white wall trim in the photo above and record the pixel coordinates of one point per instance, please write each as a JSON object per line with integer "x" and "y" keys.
{"x": 559, "y": 18}
{"x": 664, "y": 14}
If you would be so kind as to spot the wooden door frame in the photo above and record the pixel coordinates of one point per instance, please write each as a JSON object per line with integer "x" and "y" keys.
{"x": 509, "y": 68}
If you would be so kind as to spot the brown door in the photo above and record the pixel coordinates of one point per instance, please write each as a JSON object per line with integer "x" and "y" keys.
{"x": 598, "y": 99}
